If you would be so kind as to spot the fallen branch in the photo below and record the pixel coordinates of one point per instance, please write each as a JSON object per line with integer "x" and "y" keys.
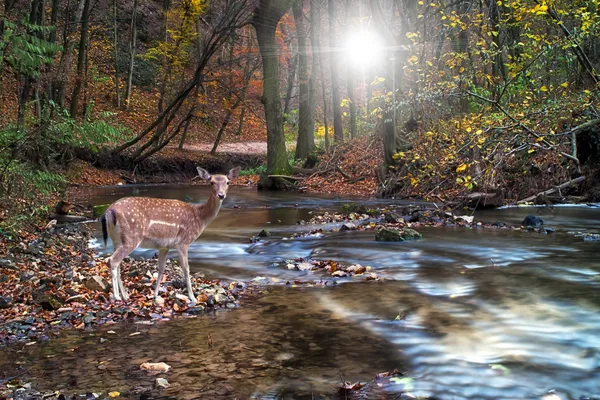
{"x": 345, "y": 175}
{"x": 293, "y": 178}
{"x": 554, "y": 189}
{"x": 357, "y": 179}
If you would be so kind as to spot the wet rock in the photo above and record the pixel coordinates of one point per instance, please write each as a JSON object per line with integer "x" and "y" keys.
{"x": 198, "y": 309}
{"x": 356, "y": 269}
{"x": 49, "y": 302}
{"x": 161, "y": 383}
{"x": 210, "y": 301}
{"x": 392, "y": 217}
{"x": 353, "y": 208}
{"x": 544, "y": 230}
{"x": 348, "y": 226}
{"x": 396, "y": 235}
{"x": 97, "y": 283}
{"x": 264, "y": 233}
{"x": 5, "y": 302}
{"x": 3, "y": 278}
{"x": 499, "y": 224}
{"x": 533, "y": 221}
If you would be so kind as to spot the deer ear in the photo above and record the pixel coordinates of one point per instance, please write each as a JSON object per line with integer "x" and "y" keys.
{"x": 233, "y": 173}
{"x": 202, "y": 173}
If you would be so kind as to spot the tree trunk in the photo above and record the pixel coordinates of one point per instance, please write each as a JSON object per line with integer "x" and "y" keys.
{"x": 164, "y": 36}
{"x": 338, "y": 130}
{"x": 116, "y": 48}
{"x": 83, "y": 44}
{"x": 350, "y": 77}
{"x": 291, "y": 83}
{"x": 306, "y": 124}
{"x": 389, "y": 129}
{"x": 131, "y": 54}
{"x": 265, "y": 21}
{"x": 312, "y": 81}
{"x": 63, "y": 71}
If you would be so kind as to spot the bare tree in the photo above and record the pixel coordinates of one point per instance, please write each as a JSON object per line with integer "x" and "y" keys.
{"x": 338, "y": 130}
{"x": 132, "y": 44}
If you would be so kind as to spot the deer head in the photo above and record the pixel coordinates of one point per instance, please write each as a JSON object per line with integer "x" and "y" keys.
{"x": 219, "y": 183}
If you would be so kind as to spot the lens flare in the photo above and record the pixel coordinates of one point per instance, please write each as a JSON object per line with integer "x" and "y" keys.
{"x": 363, "y": 49}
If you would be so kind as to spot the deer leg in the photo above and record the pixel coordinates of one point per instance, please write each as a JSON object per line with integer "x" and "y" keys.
{"x": 162, "y": 261}
{"x": 115, "y": 269}
{"x": 124, "y": 293}
{"x": 183, "y": 259}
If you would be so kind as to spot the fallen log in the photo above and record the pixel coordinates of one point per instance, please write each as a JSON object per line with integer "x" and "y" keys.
{"x": 554, "y": 189}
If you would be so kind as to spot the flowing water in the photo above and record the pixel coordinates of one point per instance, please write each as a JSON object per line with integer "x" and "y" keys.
{"x": 488, "y": 314}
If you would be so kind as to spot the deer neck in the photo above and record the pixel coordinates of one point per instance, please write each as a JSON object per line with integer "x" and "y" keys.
{"x": 209, "y": 210}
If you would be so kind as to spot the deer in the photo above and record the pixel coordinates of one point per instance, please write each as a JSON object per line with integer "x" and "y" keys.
{"x": 161, "y": 224}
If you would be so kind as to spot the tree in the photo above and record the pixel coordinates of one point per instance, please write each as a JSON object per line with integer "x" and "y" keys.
{"x": 338, "y": 130}
{"x": 81, "y": 58}
{"x": 306, "y": 123}
{"x": 350, "y": 72}
{"x": 266, "y": 17}
{"x": 132, "y": 45}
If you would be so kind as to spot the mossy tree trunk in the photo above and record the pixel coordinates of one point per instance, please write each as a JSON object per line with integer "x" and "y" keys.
{"x": 266, "y": 18}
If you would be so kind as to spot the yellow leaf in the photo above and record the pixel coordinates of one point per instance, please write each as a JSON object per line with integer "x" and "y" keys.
{"x": 114, "y": 394}
{"x": 544, "y": 88}
{"x": 530, "y": 151}
{"x": 565, "y": 84}
{"x": 461, "y": 168}
{"x": 461, "y": 70}
{"x": 479, "y": 132}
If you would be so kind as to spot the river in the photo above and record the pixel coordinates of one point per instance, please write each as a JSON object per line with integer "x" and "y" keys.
{"x": 486, "y": 313}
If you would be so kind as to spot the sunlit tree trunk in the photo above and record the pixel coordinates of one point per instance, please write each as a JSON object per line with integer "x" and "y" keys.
{"x": 334, "y": 55}
{"x": 389, "y": 129}
{"x": 350, "y": 76}
{"x": 306, "y": 124}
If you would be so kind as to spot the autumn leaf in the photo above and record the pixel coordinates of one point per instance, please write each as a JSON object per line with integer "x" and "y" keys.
{"x": 461, "y": 168}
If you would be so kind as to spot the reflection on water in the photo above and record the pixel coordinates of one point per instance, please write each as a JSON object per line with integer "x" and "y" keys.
{"x": 487, "y": 314}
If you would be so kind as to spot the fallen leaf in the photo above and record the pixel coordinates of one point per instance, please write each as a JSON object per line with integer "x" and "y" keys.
{"x": 114, "y": 394}
{"x": 155, "y": 367}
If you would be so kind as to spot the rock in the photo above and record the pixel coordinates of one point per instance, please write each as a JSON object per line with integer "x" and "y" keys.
{"x": 155, "y": 367}
{"x": 532, "y": 220}
{"x": 396, "y": 235}
{"x": 161, "y": 383}
{"x": 5, "y": 302}
{"x": 198, "y": 309}
{"x": 348, "y": 226}
{"x": 8, "y": 264}
{"x": 544, "y": 230}
{"x": 392, "y": 218}
{"x": 49, "y": 302}
{"x": 353, "y": 208}
{"x": 304, "y": 266}
{"x": 3, "y": 278}
{"x": 221, "y": 298}
{"x": 356, "y": 269}
{"x": 26, "y": 276}
{"x": 499, "y": 224}
{"x": 264, "y": 233}
{"x": 98, "y": 210}
{"x": 339, "y": 273}
{"x": 210, "y": 301}
{"x": 97, "y": 283}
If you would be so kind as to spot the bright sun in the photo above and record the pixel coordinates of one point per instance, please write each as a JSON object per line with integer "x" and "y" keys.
{"x": 363, "y": 49}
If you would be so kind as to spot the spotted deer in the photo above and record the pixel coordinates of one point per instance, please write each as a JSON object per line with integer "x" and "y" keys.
{"x": 133, "y": 222}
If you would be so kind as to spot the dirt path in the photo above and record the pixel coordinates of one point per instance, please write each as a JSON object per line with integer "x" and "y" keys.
{"x": 238, "y": 147}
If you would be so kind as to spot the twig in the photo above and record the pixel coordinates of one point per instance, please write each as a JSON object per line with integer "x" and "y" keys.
{"x": 293, "y": 178}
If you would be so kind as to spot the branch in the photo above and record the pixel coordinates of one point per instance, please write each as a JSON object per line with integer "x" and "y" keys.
{"x": 554, "y": 189}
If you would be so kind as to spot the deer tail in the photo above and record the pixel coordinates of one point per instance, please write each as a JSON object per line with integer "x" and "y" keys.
{"x": 104, "y": 230}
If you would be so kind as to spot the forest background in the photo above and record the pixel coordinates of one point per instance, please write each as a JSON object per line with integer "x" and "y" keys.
{"x": 479, "y": 101}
